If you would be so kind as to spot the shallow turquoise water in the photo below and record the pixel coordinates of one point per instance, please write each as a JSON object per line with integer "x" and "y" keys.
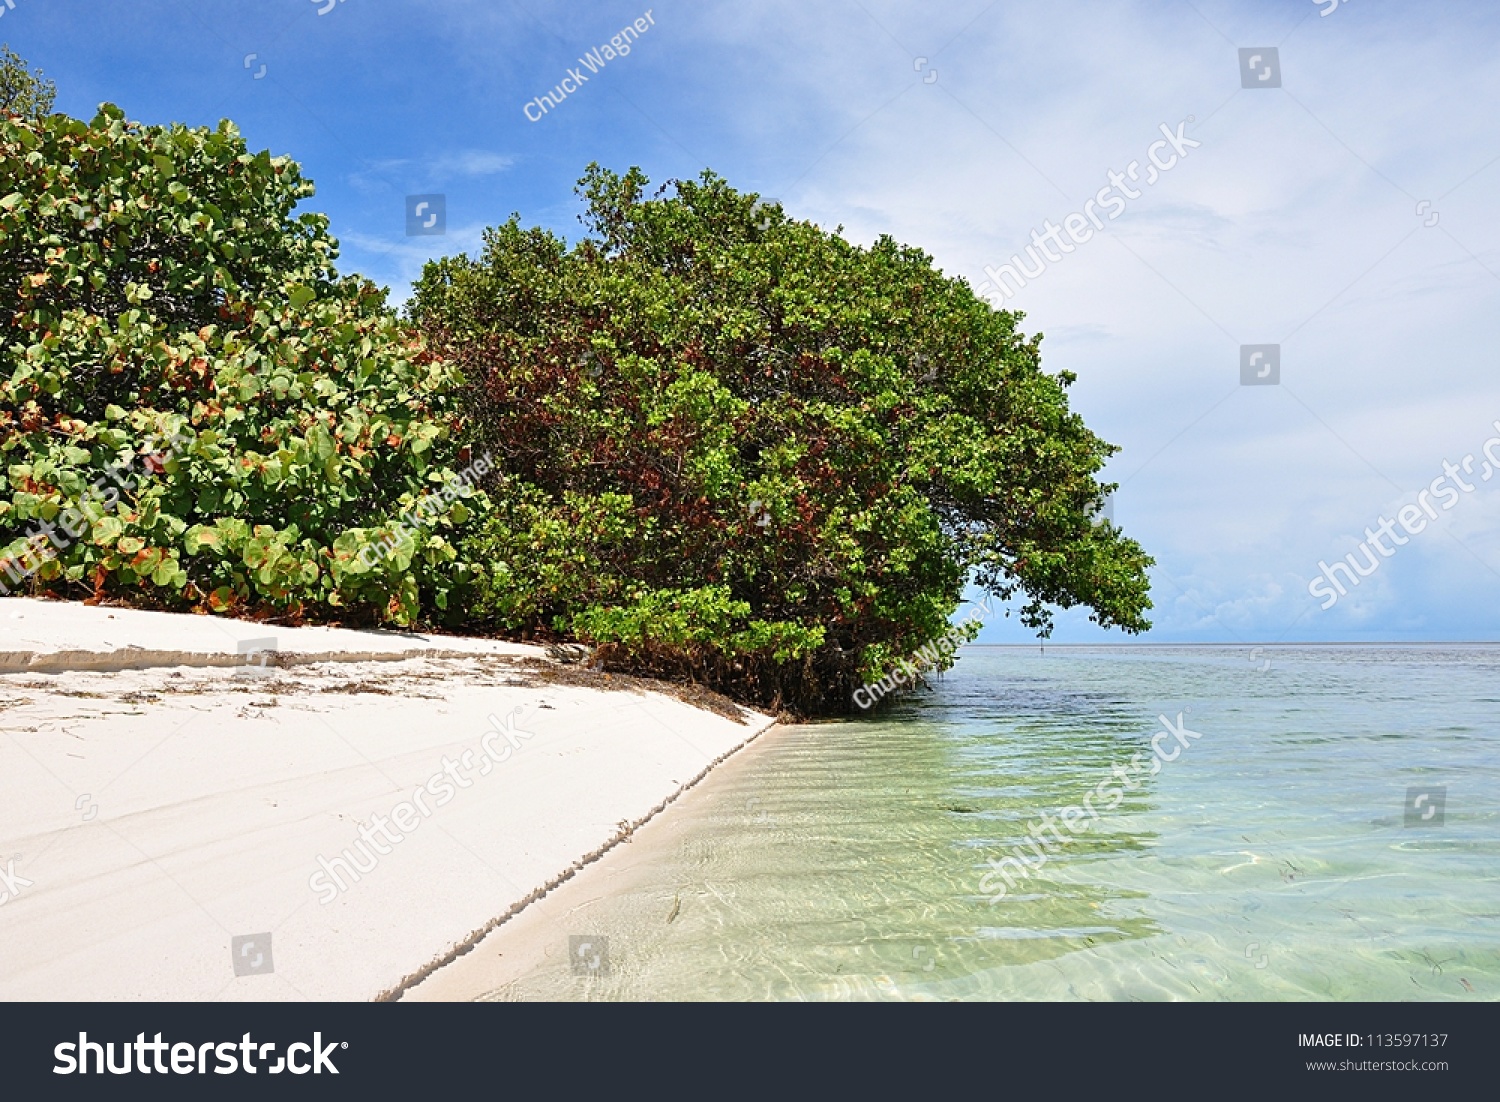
{"x": 1271, "y": 860}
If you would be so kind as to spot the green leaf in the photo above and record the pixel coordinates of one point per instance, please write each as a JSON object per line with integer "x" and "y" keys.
{"x": 107, "y": 530}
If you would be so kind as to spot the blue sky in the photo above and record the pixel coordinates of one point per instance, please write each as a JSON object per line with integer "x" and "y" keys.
{"x": 1298, "y": 220}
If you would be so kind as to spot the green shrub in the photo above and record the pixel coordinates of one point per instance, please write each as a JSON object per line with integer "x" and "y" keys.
{"x": 155, "y": 284}
{"x": 23, "y": 92}
{"x": 739, "y": 448}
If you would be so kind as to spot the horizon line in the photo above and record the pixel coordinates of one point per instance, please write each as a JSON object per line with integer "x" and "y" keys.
{"x": 1314, "y": 643}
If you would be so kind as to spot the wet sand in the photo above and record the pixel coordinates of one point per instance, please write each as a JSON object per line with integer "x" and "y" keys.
{"x": 545, "y": 936}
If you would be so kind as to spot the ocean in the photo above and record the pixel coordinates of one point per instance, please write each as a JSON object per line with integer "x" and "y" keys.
{"x": 1314, "y": 823}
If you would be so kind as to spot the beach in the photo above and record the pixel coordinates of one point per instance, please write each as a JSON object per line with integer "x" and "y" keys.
{"x": 1318, "y": 838}
{"x": 205, "y": 809}
{"x": 193, "y": 813}
{"x": 544, "y": 938}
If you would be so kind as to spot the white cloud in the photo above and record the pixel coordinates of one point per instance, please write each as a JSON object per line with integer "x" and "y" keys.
{"x": 412, "y": 175}
{"x": 1295, "y": 222}
{"x": 397, "y": 262}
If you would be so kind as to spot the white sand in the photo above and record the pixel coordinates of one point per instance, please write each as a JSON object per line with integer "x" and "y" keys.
{"x": 528, "y": 955}
{"x": 160, "y": 812}
{"x": 45, "y": 636}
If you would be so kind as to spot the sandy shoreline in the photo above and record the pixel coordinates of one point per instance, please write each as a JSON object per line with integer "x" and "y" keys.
{"x": 162, "y": 814}
{"x": 540, "y": 937}
{"x": 464, "y": 973}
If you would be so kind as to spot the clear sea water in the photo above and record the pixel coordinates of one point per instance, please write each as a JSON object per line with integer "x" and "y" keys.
{"x": 1276, "y": 858}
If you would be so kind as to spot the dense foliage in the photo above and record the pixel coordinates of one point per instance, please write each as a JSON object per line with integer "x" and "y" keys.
{"x": 156, "y": 286}
{"x": 721, "y": 444}
{"x": 23, "y": 92}
{"x": 737, "y": 447}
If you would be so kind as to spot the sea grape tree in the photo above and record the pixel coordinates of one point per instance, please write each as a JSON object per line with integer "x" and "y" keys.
{"x": 157, "y": 283}
{"x": 734, "y": 446}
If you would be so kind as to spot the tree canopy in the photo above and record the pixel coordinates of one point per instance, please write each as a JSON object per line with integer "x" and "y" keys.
{"x": 156, "y": 285}
{"x": 735, "y": 446}
{"x": 23, "y": 92}
{"x": 716, "y": 442}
